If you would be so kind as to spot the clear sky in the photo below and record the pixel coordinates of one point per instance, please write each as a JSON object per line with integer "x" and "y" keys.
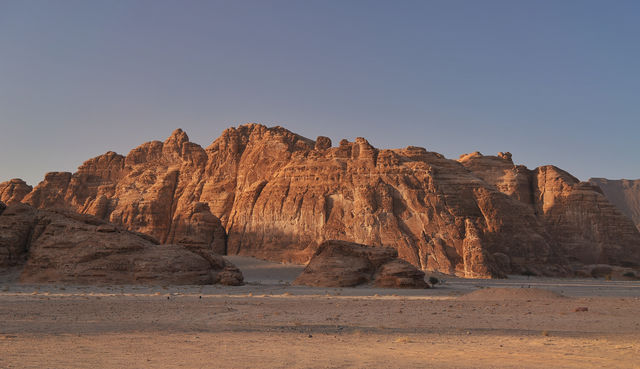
{"x": 553, "y": 82}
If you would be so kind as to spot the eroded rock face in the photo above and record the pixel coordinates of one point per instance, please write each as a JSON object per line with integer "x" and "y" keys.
{"x": 16, "y": 225}
{"x": 197, "y": 229}
{"x": 431, "y": 209}
{"x": 499, "y": 171}
{"x": 398, "y": 273}
{"x": 347, "y": 264}
{"x": 65, "y": 247}
{"x": 279, "y": 196}
{"x": 624, "y": 194}
{"x": 13, "y": 191}
{"x": 148, "y": 191}
{"x": 586, "y": 227}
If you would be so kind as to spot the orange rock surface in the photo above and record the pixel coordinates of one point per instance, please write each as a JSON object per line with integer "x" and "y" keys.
{"x": 587, "y": 228}
{"x": 279, "y": 195}
{"x": 14, "y": 191}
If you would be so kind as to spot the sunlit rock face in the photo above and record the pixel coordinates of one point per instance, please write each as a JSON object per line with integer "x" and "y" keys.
{"x": 147, "y": 191}
{"x": 279, "y": 195}
{"x": 13, "y": 191}
{"x": 624, "y": 194}
{"x": 586, "y": 226}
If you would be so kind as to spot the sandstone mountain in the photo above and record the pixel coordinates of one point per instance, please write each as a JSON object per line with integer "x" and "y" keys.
{"x": 278, "y": 196}
{"x": 624, "y": 194}
{"x": 63, "y": 246}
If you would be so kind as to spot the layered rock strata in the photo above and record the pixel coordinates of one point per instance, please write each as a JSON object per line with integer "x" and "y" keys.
{"x": 279, "y": 196}
{"x": 347, "y": 264}
{"x": 14, "y": 191}
{"x": 65, "y": 247}
{"x": 588, "y": 229}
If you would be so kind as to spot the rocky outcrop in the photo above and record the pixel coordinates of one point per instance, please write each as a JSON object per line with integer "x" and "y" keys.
{"x": 624, "y": 194}
{"x": 16, "y": 223}
{"x": 13, "y": 191}
{"x": 501, "y": 172}
{"x": 607, "y": 272}
{"x": 52, "y": 192}
{"x": 279, "y": 196}
{"x": 347, "y": 264}
{"x": 65, "y": 247}
{"x": 585, "y": 226}
{"x": 142, "y": 191}
{"x": 197, "y": 229}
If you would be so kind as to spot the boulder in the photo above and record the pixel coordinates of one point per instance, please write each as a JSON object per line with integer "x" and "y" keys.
{"x": 60, "y": 246}
{"x": 322, "y": 143}
{"x": 348, "y": 264}
{"x": 399, "y": 274}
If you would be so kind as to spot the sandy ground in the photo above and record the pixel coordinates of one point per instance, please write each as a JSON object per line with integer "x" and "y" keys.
{"x": 268, "y": 323}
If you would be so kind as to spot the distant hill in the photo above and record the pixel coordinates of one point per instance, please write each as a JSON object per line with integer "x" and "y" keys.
{"x": 624, "y": 194}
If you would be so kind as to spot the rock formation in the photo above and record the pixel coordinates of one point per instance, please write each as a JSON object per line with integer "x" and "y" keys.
{"x": 65, "y": 247}
{"x": 15, "y": 227}
{"x": 347, "y": 264}
{"x": 588, "y": 229}
{"x": 14, "y": 191}
{"x": 624, "y": 194}
{"x": 279, "y": 196}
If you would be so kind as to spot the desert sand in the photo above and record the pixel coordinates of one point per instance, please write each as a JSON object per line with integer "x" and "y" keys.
{"x": 519, "y": 322}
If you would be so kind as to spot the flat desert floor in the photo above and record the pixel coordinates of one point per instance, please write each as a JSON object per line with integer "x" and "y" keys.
{"x": 515, "y": 323}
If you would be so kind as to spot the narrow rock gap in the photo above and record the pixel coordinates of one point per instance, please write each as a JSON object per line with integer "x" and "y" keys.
{"x": 172, "y": 207}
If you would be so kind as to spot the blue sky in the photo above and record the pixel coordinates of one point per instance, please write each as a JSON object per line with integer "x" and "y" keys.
{"x": 553, "y": 82}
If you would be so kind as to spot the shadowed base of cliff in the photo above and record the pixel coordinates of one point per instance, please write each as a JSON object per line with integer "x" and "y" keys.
{"x": 58, "y": 246}
{"x": 262, "y": 272}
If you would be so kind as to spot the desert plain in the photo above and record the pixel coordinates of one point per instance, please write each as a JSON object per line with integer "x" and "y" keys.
{"x": 519, "y": 322}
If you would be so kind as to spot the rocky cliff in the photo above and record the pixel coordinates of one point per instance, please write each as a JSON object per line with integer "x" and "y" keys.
{"x": 624, "y": 194}
{"x": 586, "y": 226}
{"x": 279, "y": 195}
{"x": 14, "y": 191}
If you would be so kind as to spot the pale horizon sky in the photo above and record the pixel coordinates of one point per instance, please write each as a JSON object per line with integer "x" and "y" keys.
{"x": 552, "y": 82}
